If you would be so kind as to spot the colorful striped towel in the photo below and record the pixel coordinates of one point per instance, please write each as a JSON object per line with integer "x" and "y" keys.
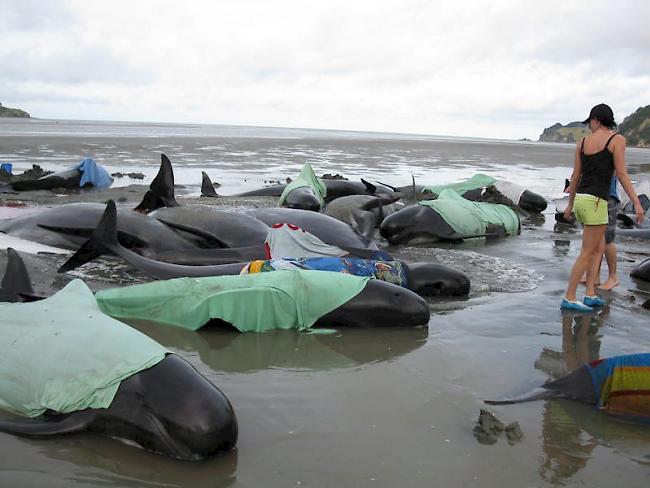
{"x": 622, "y": 384}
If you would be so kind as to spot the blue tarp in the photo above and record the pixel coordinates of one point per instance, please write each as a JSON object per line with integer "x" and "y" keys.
{"x": 6, "y": 167}
{"x": 94, "y": 174}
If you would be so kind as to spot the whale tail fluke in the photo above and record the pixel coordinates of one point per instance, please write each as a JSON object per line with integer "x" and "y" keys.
{"x": 207, "y": 188}
{"x": 161, "y": 189}
{"x": 16, "y": 285}
{"x": 537, "y": 394}
{"x": 103, "y": 238}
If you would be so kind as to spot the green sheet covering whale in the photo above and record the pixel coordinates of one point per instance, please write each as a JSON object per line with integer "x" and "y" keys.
{"x": 63, "y": 354}
{"x": 477, "y": 181}
{"x": 307, "y": 177}
{"x": 287, "y": 299}
{"x": 469, "y": 218}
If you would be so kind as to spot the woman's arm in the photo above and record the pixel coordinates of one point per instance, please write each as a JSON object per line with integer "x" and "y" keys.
{"x": 623, "y": 177}
{"x": 575, "y": 179}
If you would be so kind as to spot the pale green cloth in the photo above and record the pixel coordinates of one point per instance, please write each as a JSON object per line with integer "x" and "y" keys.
{"x": 477, "y": 181}
{"x": 286, "y": 299}
{"x": 469, "y": 218}
{"x": 308, "y": 178}
{"x": 64, "y": 354}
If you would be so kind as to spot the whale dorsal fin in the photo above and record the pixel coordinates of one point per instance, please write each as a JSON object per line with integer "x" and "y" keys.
{"x": 207, "y": 188}
{"x": 104, "y": 237}
{"x": 16, "y": 284}
{"x": 161, "y": 189}
{"x": 370, "y": 188}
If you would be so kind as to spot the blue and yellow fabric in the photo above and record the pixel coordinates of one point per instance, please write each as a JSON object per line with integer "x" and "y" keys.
{"x": 622, "y": 384}
{"x": 389, "y": 271}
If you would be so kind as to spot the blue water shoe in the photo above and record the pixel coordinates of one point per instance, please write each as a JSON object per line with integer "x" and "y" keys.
{"x": 594, "y": 301}
{"x": 577, "y": 305}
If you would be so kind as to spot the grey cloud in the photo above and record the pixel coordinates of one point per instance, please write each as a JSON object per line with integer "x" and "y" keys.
{"x": 35, "y": 15}
{"x": 70, "y": 63}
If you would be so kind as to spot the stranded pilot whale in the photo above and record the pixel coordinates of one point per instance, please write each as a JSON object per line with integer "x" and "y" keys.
{"x": 424, "y": 278}
{"x": 167, "y": 408}
{"x": 378, "y": 304}
{"x": 619, "y": 385}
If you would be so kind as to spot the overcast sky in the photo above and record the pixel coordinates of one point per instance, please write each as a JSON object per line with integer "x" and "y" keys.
{"x": 499, "y": 68}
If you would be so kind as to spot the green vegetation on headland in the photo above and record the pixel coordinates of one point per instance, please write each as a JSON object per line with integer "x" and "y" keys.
{"x": 13, "y": 112}
{"x": 572, "y": 132}
{"x": 635, "y": 128}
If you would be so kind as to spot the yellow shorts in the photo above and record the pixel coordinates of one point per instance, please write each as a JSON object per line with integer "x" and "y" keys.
{"x": 590, "y": 210}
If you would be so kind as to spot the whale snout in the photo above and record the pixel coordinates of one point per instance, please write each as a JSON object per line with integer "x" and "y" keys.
{"x": 303, "y": 198}
{"x": 532, "y": 202}
{"x": 400, "y": 307}
{"x": 214, "y": 429}
{"x": 431, "y": 279}
{"x": 393, "y": 227}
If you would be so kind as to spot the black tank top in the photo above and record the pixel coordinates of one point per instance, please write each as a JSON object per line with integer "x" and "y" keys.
{"x": 597, "y": 172}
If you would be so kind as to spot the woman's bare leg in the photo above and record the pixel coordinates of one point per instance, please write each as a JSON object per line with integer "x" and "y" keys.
{"x": 592, "y": 238}
{"x": 612, "y": 278}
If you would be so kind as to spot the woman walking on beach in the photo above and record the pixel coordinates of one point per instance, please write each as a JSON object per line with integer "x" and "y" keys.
{"x": 597, "y": 157}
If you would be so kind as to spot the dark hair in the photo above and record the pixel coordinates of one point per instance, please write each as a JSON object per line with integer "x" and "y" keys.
{"x": 603, "y": 114}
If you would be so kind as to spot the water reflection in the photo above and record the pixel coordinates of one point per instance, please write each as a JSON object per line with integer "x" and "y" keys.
{"x": 107, "y": 462}
{"x": 567, "y": 447}
{"x": 235, "y": 352}
{"x": 581, "y": 343}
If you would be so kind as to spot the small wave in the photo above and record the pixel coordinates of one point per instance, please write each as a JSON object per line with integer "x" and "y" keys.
{"x": 487, "y": 273}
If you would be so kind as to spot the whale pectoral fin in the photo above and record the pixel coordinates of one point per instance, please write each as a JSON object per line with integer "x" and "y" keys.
{"x": 364, "y": 223}
{"x": 537, "y": 394}
{"x": 60, "y": 425}
{"x": 209, "y": 237}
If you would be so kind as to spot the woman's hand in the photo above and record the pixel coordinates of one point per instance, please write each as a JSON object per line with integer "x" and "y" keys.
{"x": 568, "y": 213}
{"x": 640, "y": 214}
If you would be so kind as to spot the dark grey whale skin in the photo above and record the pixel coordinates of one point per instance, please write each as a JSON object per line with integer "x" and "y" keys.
{"x": 379, "y": 304}
{"x": 326, "y": 228}
{"x": 136, "y": 231}
{"x": 576, "y": 385}
{"x": 169, "y": 408}
{"x": 642, "y": 270}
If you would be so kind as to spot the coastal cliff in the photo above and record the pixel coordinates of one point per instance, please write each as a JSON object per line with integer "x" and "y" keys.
{"x": 635, "y": 127}
{"x": 572, "y": 132}
{"x": 13, "y": 112}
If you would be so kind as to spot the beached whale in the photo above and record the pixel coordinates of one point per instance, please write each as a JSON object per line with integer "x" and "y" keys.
{"x": 87, "y": 174}
{"x": 619, "y": 385}
{"x": 69, "y": 226}
{"x": 482, "y": 188}
{"x": 426, "y": 279}
{"x": 326, "y": 228}
{"x": 335, "y": 189}
{"x": 212, "y": 227}
{"x": 361, "y": 212}
{"x": 642, "y": 270}
{"x": 449, "y": 217}
{"x": 122, "y": 384}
